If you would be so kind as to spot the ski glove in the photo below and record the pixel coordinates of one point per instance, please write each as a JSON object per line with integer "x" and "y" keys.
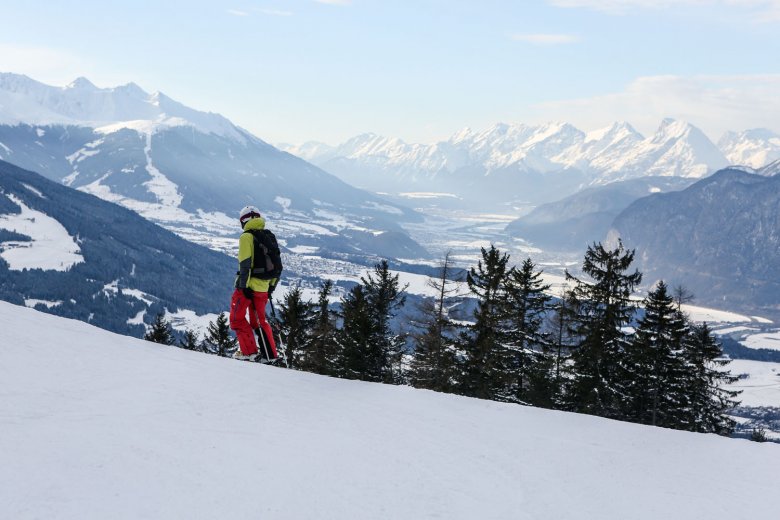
{"x": 271, "y": 289}
{"x": 249, "y": 294}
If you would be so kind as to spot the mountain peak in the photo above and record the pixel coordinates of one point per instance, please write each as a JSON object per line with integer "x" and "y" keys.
{"x": 81, "y": 83}
{"x": 133, "y": 90}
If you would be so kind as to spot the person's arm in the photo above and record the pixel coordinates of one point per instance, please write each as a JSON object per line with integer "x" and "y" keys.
{"x": 245, "y": 250}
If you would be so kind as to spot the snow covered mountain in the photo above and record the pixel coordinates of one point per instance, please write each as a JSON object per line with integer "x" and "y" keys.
{"x": 26, "y": 101}
{"x": 115, "y": 427}
{"x": 525, "y": 158}
{"x": 185, "y": 169}
{"x": 755, "y": 148}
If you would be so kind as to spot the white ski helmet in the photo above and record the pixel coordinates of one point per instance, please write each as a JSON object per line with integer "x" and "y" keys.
{"x": 248, "y": 213}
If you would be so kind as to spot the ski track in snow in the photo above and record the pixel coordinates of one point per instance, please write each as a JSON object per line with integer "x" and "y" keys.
{"x": 115, "y": 427}
{"x": 166, "y": 191}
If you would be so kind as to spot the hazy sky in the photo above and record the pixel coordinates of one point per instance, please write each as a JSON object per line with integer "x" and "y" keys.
{"x": 296, "y": 70}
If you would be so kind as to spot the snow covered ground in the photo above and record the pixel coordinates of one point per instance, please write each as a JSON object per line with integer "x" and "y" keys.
{"x": 761, "y": 387}
{"x": 50, "y": 247}
{"x": 107, "y": 426}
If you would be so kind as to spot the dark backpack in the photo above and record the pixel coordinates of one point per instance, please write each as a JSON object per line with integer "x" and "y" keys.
{"x": 268, "y": 258}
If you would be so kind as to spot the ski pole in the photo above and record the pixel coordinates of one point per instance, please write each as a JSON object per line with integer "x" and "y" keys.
{"x": 283, "y": 349}
{"x": 262, "y": 338}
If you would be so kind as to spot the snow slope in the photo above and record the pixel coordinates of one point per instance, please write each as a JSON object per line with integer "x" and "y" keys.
{"x": 50, "y": 247}
{"x": 106, "y": 426}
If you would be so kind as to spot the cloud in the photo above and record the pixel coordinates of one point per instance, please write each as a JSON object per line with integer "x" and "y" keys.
{"x": 760, "y": 10}
{"x": 546, "y": 39}
{"x": 236, "y": 12}
{"x": 713, "y": 103}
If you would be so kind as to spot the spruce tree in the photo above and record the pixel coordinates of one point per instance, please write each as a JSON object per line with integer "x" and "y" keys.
{"x": 604, "y": 310}
{"x": 160, "y": 331}
{"x": 486, "y": 359}
{"x": 708, "y": 400}
{"x": 531, "y": 360}
{"x": 654, "y": 385}
{"x": 358, "y": 357}
{"x": 189, "y": 340}
{"x": 434, "y": 365}
{"x": 297, "y": 322}
{"x": 385, "y": 297}
{"x": 218, "y": 339}
{"x": 322, "y": 357}
{"x": 563, "y": 339}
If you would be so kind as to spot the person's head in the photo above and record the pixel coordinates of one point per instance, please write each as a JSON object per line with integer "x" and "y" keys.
{"x": 247, "y": 214}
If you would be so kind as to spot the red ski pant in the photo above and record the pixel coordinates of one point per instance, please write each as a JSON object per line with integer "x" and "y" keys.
{"x": 244, "y": 329}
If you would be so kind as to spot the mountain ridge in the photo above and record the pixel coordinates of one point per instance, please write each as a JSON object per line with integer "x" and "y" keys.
{"x": 616, "y": 152}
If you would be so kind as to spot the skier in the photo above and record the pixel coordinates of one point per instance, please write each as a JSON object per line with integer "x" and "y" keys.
{"x": 252, "y": 292}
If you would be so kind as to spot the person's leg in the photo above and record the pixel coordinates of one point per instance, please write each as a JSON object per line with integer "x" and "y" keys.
{"x": 261, "y": 299}
{"x": 246, "y": 337}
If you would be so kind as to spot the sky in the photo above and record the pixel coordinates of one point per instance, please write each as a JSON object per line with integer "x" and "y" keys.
{"x": 297, "y": 70}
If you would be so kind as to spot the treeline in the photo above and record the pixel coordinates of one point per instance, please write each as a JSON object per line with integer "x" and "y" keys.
{"x": 593, "y": 350}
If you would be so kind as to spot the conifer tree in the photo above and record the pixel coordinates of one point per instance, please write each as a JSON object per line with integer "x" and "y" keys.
{"x": 189, "y": 340}
{"x": 358, "y": 356}
{"x": 297, "y": 322}
{"x": 604, "y": 309}
{"x": 434, "y": 365}
{"x": 160, "y": 331}
{"x": 218, "y": 339}
{"x": 385, "y": 297}
{"x": 322, "y": 357}
{"x": 563, "y": 332}
{"x": 486, "y": 359}
{"x": 708, "y": 400}
{"x": 531, "y": 362}
{"x": 654, "y": 385}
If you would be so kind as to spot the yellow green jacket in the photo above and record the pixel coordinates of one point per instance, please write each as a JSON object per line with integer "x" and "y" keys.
{"x": 246, "y": 259}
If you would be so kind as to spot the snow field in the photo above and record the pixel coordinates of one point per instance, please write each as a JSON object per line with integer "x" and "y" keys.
{"x": 51, "y": 248}
{"x": 115, "y": 427}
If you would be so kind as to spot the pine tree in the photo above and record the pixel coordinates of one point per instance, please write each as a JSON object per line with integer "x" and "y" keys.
{"x": 434, "y": 365}
{"x": 654, "y": 384}
{"x": 322, "y": 357}
{"x": 218, "y": 339}
{"x": 708, "y": 400}
{"x": 563, "y": 339}
{"x": 297, "y": 322}
{"x": 604, "y": 309}
{"x": 385, "y": 297}
{"x": 358, "y": 357}
{"x": 529, "y": 346}
{"x": 160, "y": 331}
{"x": 189, "y": 340}
{"x": 486, "y": 359}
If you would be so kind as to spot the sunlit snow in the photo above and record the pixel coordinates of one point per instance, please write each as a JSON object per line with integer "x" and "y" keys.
{"x": 51, "y": 248}
{"x": 107, "y": 426}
